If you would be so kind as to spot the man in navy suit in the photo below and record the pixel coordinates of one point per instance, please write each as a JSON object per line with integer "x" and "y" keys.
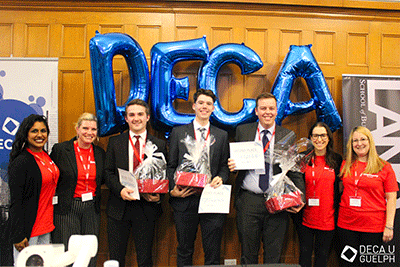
{"x": 126, "y": 213}
{"x": 184, "y": 201}
{"x": 254, "y": 222}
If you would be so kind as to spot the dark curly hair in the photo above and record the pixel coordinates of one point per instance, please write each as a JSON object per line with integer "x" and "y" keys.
{"x": 21, "y": 137}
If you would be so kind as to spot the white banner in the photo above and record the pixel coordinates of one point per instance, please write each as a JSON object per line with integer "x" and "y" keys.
{"x": 27, "y": 86}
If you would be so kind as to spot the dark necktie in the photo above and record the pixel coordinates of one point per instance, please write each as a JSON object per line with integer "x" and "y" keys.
{"x": 263, "y": 182}
{"x": 203, "y": 133}
{"x": 136, "y": 156}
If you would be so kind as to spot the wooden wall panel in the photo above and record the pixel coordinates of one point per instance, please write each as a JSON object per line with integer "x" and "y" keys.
{"x": 6, "y": 40}
{"x": 73, "y": 41}
{"x": 324, "y": 51}
{"x": 390, "y": 51}
{"x": 37, "y": 40}
{"x": 72, "y": 94}
{"x": 342, "y": 42}
{"x": 357, "y": 44}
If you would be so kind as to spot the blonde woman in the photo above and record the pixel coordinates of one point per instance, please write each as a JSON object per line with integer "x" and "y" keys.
{"x": 368, "y": 203}
{"x": 81, "y": 165}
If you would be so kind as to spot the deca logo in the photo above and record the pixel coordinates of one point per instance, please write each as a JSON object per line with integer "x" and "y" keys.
{"x": 349, "y": 253}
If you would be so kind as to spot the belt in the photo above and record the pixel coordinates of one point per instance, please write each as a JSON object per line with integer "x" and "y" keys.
{"x": 252, "y": 193}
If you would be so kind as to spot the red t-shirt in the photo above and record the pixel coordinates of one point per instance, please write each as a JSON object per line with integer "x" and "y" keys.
{"x": 85, "y": 162}
{"x": 371, "y": 189}
{"x": 320, "y": 180}
{"x": 50, "y": 173}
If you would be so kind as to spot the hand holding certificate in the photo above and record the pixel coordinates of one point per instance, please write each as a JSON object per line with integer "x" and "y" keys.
{"x": 128, "y": 180}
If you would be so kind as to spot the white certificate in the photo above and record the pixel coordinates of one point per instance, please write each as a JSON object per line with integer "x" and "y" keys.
{"x": 215, "y": 200}
{"x": 247, "y": 155}
{"x": 128, "y": 180}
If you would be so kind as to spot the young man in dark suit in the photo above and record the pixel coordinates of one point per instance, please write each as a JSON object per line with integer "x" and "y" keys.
{"x": 184, "y": 201}
{"x": 254, "y": 222}
{"x": 126, "y": 213}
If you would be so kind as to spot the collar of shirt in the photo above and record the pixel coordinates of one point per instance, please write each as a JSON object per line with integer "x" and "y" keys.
{"x": 197, "y": 125}
{"x": 270, "y": 130}
{"x": 141, "y": 139}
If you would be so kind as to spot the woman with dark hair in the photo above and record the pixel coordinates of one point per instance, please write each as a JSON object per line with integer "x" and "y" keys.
{"x": 322, "y": 198}
{"x": 81, "y": 166}
{"x": 368, "y": 203}
{"x": 32, "y": 180}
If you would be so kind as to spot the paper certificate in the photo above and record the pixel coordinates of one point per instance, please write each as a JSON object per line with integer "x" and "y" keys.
{"x": 215, "y": 200}
{"x": 126, "y": 178}
{"x": 247, "y": 155}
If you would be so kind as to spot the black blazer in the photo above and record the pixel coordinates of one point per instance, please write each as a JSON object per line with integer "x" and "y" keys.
{"x": 247, "y": 132}
{"x": 117, "y": 157}
{"x": 63, "y": 154}
{"x": 25, "y": 182}
{"x": 219, "y": 154}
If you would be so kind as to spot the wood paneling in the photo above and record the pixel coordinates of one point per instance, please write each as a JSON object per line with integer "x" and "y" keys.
{"x": 363, "y": 41}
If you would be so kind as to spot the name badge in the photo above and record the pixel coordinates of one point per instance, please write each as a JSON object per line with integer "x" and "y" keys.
{"x": 313, "y": 202}
{"x": 55, "y": 200}
{"x": 355, "y": 201}
{"x": 87, "y": 196}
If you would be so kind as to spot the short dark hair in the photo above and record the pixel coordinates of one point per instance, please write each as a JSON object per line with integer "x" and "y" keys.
{"x": 21, "y": 137}
{"x": 263, "y": 96}
{"x": 139, "y": 102}
{"x": 206, "y": 92}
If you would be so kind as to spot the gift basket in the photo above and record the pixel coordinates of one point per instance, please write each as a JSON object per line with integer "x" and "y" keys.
{"x": 151, "y": 173}
{"x": 283, "y": 193}
{"x": 194, "y": 170}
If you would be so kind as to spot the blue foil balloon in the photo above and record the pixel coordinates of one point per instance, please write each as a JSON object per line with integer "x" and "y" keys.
{"x": 249, "y": 62}
{"x": 103, "y": 47}
{"x": 300, "y": 62}
{"x": 165, "y": 88}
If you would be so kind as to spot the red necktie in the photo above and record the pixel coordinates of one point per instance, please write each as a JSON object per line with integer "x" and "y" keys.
{"x": 136, "y": 156}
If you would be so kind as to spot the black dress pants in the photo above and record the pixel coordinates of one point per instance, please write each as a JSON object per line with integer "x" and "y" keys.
{"x": 187, "y": 221}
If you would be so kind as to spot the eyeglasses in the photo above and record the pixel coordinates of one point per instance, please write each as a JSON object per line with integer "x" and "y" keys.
{"x": 362, "y": 140}
{"x": 323, "y": 136}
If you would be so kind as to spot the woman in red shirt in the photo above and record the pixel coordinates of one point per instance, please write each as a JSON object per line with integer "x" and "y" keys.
{"x": 322, "y": 198}
{"x": 32, "y": 179}
{"x": 368, "y": 203}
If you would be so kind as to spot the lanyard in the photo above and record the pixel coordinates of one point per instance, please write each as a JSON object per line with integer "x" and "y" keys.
{"x": 356, "y": 182}
{"x": 269, "y": 141}
{"x": 53, "y": 172}
{"x": 313, "y": 169}
{"x": 85, "y": 167}
{"x": 137, "y": 153}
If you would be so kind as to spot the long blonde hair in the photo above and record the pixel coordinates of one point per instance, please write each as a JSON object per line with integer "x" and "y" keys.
{"x": 374, "y": 163}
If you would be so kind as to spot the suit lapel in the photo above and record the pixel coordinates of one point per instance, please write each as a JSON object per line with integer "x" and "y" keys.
{"x": 212, "y": 145}
{"x": 252, "y": 131}
{"x": 70, "y": 155}
{"x": 125, "y": 151}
